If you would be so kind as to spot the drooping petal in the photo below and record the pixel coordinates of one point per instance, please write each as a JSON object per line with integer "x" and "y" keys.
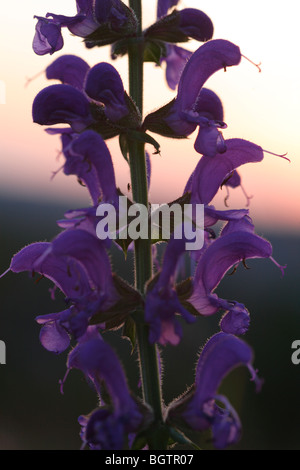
{"x": 90, "y": 253}
{"x": 195, "y": 24}
{"x": 104, "y": 85}
{"x": 48, "y": 38}
{"x": 162, "y": 302}
{"x": 88, "y": 157}
{"x": 222, "y": 353}
{"x": 210, "y": 173}
{"x": 69, "y": 69}
{"x": 176, "y": 58}
{"x": 62, "y": 104}
{"x": 224, "y": 253}
{"x": 54, "y": 337}
{"x": 98, "y": 361}
{"x": 69, "y": 277}
{"x": 208, "y": 108}
{"x": 212, "y": 56}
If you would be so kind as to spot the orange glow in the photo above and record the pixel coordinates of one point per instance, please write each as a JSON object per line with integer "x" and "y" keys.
{"x": 261, "y": 107}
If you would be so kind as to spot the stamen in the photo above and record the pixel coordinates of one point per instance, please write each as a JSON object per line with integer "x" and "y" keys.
{"x": 227, "y": 197}
{"x": 39, "y": 279}
{"x": 248, "y": 198}
{"x": 282, "y": 268}
{"x": 54, "y": 173}
{"x": 5, "y": 272}
{"x": 245, "y": 265}
{"x": 251, "y": 62}
{"x": 234, "y": 270}
{"x": 278, "y": 155}
{"x": 28, "y": 80}
{"x": 62, "y": 382}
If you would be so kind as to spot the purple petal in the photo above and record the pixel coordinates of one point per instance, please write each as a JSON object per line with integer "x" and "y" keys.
{"x": 176, "y": 59}
{"x": 88, "y": 157}
{"x": 69, "y": 69}
{"x": 210, "y": 173}
{"x": 209, "y": 141}
{"x": 62, "y": 104}
{"x": 196, "y": 24}
{"x": 97, "y": 360}
{"x": 212, "y": 56}
{"x": 236, "y": 321}
{"x": 48, "y": 38}
{"x": 54, "y": 337}
{"x": 90, "y": 253}
{"x": 224, "y": 253}
{"x": 104, "y": 85}
{"x": 69, "y": 277}
{"x": 221, "y": 354}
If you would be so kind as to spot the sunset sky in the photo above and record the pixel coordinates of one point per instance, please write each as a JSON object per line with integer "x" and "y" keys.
{"x": 260, "y": 107}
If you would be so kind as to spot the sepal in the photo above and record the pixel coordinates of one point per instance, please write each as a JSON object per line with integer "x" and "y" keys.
{"x": 107, "y": 33}
{"x": 167, "y": 29}
{"x": 129, "y": 301}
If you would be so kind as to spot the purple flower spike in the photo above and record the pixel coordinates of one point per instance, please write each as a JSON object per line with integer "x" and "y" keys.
{"x": 210, "y": 173}
{"x": 88, "y": 157}
{"x": 104, "y": 85}
{"x": 62, "y": 104}
{"x": 69, "y": 69}
{"x": 162, "y": 302}
{"x": 221, "y": 354}
{"x": 48, "y": 38}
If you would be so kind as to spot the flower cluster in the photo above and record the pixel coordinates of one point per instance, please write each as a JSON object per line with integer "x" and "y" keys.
{"x": 93, "y": 106}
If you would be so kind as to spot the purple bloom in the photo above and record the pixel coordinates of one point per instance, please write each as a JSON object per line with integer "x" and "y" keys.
{"x": 175, "y": 58}
{"x": 179, "y": 26}
{"x": 236, "y": 244}
{"x": 195, "y": 24}
{"x": 91, "y": 16}
{"x": 69, "y": 69}
{"x": 88, "y": 157}
{"x": 181, "y": 117}
{"x": 62, "y": 104}
{"x": 162, "y": 303}
{"x": 106, "y": 427}
{"x": 87, "y": 98}
{"x": 104, "y": 85}
{"x": 48, "y": 38}
{"x": 199, "y": 410}
{"x": 77, "y": 263}
{"x": 211, "y": 173}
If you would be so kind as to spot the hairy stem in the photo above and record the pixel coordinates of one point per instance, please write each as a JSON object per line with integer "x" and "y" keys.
{"x": 143, "y": 258}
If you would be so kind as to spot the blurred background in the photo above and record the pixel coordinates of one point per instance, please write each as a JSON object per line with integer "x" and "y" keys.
{"x": 261, "y": 107}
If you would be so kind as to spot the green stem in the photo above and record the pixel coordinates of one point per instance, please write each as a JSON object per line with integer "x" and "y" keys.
{"x": 143, "y": 257}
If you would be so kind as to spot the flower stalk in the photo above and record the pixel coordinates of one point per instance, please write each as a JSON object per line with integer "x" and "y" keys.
{"x": 143, "y": 257}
